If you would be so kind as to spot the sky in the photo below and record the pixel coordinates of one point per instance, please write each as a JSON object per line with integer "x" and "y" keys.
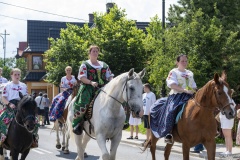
{"x": 140, "y": 10}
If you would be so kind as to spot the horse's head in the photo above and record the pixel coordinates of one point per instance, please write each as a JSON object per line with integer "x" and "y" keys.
{"x": 223, "y": 95}
{"x": 26, "y": 111}
{"x": 133, "y": 92}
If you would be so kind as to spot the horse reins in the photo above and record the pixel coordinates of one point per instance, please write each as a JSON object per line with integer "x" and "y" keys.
{"x": 220, "y": 109}
{"x": 112, "y": 98}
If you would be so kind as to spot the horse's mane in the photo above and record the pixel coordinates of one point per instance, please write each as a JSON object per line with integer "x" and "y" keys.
{"x": 203, "y": 92}
{"x": 26, "y": 101}
{"x": 206, "y": 90}
{"x": 121, "y": 78}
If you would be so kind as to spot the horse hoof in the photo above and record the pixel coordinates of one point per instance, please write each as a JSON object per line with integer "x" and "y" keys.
{"x": 66, "y": 151}
{"x": 63, "y": 148}
{"x": 58, "y": 146}
{"x": 85, "y": 155}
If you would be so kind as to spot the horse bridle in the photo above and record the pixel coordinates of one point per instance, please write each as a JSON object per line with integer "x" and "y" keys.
{"x": 24, "y": 119}
{"x": 122, "y": 92}
{"x": 112, "y": 98}
{"x": 219, "y": 108}
{"x": 224, "y": 106}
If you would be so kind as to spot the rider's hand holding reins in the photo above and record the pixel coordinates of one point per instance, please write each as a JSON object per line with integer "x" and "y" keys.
{"x": 94, "y": 84}
{"x": 11, "y": 105}
{"x": 189, "y": 91}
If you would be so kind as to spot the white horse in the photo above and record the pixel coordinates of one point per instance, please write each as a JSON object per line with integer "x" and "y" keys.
{"x": 65, "y": 138}
{"x": 108, "y": 114}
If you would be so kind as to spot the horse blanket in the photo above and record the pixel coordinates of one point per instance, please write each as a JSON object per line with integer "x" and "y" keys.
{"x": 164, "y": 111}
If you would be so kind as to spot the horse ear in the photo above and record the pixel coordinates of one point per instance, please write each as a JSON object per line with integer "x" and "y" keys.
{"x": 20, "y": 95}
{"x": 130, "y": 73}
{"x": 216, "y": 78}
{"x": 142, "y": 73}
{"x": 224, "y": 76}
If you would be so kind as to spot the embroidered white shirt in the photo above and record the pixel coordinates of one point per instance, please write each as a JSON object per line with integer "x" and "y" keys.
{"x": 68, "y": 83}
{"x": 3, "y": 80}
{"x": 182, "y": 79}
{"x": 83, "y": 70}
{"x": 11, "y": 90}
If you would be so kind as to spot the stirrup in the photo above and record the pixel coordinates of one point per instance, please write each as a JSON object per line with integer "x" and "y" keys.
{"x": 168, "y": 139}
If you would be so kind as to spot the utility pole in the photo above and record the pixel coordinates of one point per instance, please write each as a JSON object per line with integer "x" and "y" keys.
{"x": 4, "y": 44}
{"x": 163, "y": 90}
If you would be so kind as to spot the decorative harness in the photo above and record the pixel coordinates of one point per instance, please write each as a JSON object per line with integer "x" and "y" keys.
{"x": 24, "y": 119}
{"x": 90, "y": 124}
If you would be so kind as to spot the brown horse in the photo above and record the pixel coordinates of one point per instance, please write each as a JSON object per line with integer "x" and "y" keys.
{"x": 198, "y": 124}
{"x": 63, "y": 121}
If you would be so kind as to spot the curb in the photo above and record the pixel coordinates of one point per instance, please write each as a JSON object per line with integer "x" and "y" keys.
{"x": 202, "y": 154}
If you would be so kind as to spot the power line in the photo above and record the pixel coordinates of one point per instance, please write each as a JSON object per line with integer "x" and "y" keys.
{"x": 42, "y": 11}
{"x": 13, "y": 17}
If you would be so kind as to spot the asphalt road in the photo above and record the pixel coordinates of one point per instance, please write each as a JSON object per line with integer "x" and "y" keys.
{"x": 47, "y": 150}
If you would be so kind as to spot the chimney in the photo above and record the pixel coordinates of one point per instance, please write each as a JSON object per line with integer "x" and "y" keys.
{"x": 109, "y": 6}
{"x": 91, "y": 18}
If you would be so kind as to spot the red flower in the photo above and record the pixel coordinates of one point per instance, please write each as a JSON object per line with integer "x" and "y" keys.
{"x": 104, "y": 71}
{"x": 170, "y": 75}
{"x": 81, "y": 73}
{"x": 92, "y": 70}
{"x": 84, "y": 68}
{"x": 90, "y": 77}
{"x": 83, "y": 109}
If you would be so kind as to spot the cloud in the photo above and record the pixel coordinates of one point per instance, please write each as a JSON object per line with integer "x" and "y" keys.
{"x": 140, "y": 10}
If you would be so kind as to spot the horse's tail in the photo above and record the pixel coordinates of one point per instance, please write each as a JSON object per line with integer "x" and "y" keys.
{"x": 69, "y": 132}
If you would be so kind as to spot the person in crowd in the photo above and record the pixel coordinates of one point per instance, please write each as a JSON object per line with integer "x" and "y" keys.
{"x": 238, "y": 129}
{"x": 2, "y": 79}
{"x": 198, "y": 148}
{"x": 182, "y": 85}
{"x": 134, "y": 122}
{"x": 34, "y": 95}
{"x": 148, "y": 99}
{"x": 46, "y": 104}
{"x": 227, "y": 125}
{"x": 92, "y": 73}
{"x": 59, "y": 101}
{"x": 11, "y": 98}
{"x": 39, "y": 101}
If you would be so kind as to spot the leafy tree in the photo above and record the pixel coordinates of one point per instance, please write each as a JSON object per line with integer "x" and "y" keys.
{"x": 226, "y": 11}
{"x": 120, "y": 41}
{"x": 69, "y": 50}
{"x": 13, "y": 63}
{"x": 209, "y": 50}
{"x": 22, "y": 65}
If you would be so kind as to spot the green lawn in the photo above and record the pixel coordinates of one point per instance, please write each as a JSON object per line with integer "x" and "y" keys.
{"x": 141, "y": 129}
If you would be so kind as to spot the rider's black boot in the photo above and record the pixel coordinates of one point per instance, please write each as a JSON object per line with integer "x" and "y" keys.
{"x": 78, "y": 130}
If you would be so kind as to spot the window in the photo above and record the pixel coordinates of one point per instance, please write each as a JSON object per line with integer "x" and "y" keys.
{"x": 37, "y": 62}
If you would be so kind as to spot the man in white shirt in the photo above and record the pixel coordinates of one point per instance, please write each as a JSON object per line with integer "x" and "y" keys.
{"x": 40, "y": 104}
{"x": 46, "y": 103}
{"x": 148, "y": 99}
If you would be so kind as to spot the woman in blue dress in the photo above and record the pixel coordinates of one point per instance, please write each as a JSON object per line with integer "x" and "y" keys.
{"x": 163, "y": 112}
{"x": 58, "y": 103}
